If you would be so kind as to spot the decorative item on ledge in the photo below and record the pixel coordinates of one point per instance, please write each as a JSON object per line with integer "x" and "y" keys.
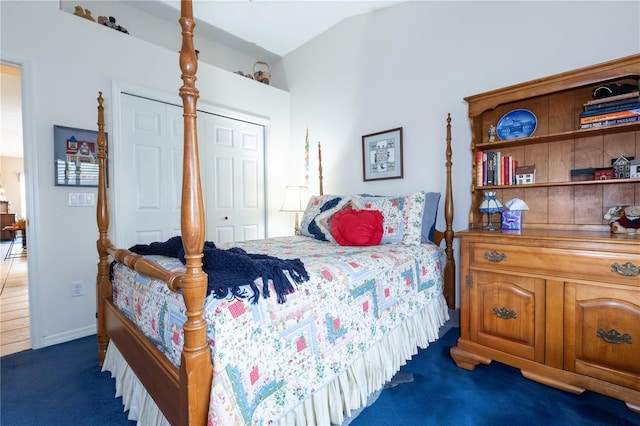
{"x": 580, "y": 175}
{"x": 604, "y": 173}
{"x": 111, "y": 23}
{"x": 512, "y": 214}
{"x": 492, "y": 133}
{"x": 634, "y": 169}
{"x": 83, "y": 13}
{"x": 295, "y": 200}
{"x": 490, "y": 205}
{"x": 526, "y": 174}
{"x": 519, "y": 123}
{"x": 623, "y": 219}
{"x": 622, "y": 167}
{"x": 262, "y": 73}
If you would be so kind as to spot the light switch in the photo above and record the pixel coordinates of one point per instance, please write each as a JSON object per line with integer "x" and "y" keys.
{"x": 82, "y": 199}
{"x": 74, "y": 199}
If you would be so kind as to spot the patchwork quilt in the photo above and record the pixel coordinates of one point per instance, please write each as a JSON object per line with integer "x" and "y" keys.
{"x": 268, "y": 357}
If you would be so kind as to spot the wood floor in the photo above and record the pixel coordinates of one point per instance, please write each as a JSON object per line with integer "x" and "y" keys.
{"x": 14, "y": 300}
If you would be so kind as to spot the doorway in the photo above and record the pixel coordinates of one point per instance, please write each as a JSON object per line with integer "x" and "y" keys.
{"x": 14, "y": 285}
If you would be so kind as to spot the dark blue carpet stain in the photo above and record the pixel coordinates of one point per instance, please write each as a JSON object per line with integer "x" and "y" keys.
{"x": 63, "y": 385}
{"x": 494, "y": 394}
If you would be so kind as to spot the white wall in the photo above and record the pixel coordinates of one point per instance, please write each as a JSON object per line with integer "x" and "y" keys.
{"x": 411, "y": 64}
{"x": 67, "y": 60}
{"x": 158, "y": 24}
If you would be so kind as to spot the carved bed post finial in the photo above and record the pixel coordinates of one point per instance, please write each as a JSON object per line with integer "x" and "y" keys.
{"x": 196, "y": 356}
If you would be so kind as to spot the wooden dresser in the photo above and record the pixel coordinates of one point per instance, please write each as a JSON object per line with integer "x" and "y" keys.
{"x": 559, "y": 298}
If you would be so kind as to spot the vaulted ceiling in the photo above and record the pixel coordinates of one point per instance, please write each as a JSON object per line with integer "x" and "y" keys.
{"x": 276, "y": 26}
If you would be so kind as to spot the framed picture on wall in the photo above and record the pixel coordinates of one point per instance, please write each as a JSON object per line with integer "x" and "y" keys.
{"x": 382, "y": 155}
{"x": 75, "y": 157}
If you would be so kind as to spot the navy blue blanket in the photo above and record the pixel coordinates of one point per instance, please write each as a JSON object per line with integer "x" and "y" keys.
{"x": 229, "y": 271}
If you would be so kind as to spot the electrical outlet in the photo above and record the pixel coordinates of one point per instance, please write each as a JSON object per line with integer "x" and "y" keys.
{"x": 77, "y": 289}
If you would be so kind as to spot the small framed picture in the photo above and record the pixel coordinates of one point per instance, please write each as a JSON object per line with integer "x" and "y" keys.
{"x": 382, "y": 155}
{"x": 75, "y": 156}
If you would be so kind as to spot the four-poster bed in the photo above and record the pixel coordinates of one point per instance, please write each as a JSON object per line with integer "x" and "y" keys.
{"x": 406, "y": 309}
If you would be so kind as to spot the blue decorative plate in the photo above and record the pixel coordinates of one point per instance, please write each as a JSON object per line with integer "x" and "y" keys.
{"x": 519, "y": 123}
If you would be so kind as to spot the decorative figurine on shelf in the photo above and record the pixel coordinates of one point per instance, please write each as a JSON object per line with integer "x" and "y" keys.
{"x": 83, "y": 13}
{"x": 512, "y": 214}
{"x": 111, "y": 23}
{"x": 262, "y": 72}
{"x": 492, "y": 133}
{"x": 624, "y": 219}
{"x": 490, "y": 205}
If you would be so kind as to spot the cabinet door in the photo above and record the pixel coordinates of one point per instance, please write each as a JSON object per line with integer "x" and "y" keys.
{"x": 507, "y": 313}
{"x": 602, "y": 332}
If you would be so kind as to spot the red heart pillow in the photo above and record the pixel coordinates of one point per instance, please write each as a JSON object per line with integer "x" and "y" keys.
{"x": 357, "y": 227}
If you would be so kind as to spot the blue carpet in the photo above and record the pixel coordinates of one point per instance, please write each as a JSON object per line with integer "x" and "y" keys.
{"x": 495, "y": 394}
{"x": 60, "y": 385}
{"x": 40, "y": 387}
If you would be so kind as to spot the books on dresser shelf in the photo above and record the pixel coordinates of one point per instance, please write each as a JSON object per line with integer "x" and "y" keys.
{"x": 612, "y": 110}
{"x": 493, "y": 168}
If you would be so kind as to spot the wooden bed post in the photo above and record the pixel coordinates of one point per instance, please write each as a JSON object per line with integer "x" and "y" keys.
{"x": 103, "y": 283}
{"x": 196, "y": 356}
{"x": 450, "y": 269}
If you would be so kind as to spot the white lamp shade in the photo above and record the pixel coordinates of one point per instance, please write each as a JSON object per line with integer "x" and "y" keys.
{"x": 295, "y": 199}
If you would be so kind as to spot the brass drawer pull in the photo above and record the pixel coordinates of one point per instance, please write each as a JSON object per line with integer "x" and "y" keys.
{"x": 628, "y": 269}
{"x": 505, "y": 313}
{"x": 613, "y": 336}
{"x": 494, "y": 256}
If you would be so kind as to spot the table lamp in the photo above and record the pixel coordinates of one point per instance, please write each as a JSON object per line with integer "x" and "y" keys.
{"x": 490, "y": 205}
{"x": 295, "y": 200}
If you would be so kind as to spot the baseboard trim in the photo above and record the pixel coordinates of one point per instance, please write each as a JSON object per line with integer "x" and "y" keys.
{"x": 69, "y": 335}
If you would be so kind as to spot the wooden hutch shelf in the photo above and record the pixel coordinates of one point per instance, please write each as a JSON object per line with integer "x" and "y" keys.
{"x": 559, "y": 298}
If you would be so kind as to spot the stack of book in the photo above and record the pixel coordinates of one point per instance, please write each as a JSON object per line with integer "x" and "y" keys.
{"x": 493, "y": 168}
{"x": 611, "y": 110}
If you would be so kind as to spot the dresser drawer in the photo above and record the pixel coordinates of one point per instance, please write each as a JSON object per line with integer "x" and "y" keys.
{"x": 569, "y": 263}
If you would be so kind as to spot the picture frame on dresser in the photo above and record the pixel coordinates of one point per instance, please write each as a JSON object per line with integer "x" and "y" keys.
{"x": 382, "y": 155}
{"x": 75, "y": 157}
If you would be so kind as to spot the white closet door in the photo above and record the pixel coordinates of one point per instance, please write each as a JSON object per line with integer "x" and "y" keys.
{"x": 232, "y": 173}
{"x": 233, "y": 178}
{"x": 152, "y": 140}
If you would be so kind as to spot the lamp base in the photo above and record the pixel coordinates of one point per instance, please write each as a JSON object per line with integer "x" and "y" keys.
{"x": 296, "y": 227}
{"x": 490, "y": 226}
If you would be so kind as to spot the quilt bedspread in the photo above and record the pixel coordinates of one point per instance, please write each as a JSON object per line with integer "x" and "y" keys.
{"x": 269, "y": 357}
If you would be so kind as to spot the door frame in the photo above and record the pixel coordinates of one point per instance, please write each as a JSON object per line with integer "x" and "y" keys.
{"x": 30, "y": 160}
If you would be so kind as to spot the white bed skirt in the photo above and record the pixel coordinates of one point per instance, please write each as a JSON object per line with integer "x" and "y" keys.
{"x": 346, "y": 393}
